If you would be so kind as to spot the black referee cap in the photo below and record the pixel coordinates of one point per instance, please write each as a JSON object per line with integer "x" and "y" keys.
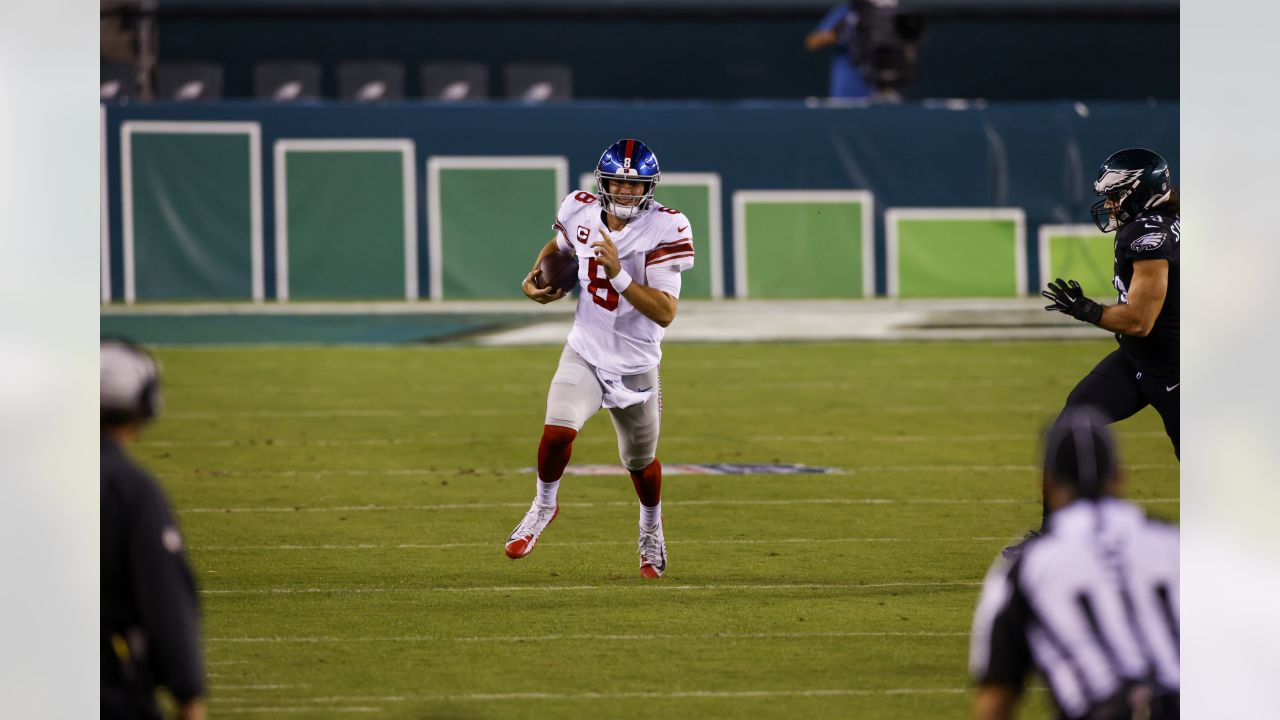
{"x": 1079, "y": 451}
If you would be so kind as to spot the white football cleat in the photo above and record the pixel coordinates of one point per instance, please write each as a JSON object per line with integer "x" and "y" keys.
{"x": 525, "y": 536}
{"x": 653, "y": 552}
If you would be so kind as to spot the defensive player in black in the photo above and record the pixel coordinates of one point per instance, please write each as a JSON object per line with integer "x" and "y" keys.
{"x": 1141, "y": 205}
{"x": 150, "y": 622}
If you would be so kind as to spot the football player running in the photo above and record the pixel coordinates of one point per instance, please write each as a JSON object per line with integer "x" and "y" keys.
{"x": 1141, "y": 206}
{"x": 630, "y": 251}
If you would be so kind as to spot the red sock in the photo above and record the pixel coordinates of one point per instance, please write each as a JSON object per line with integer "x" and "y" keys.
{"x": 554, "y": 451}
{"x": 648, "y": 483}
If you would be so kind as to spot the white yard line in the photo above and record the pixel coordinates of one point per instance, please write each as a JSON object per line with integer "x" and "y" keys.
{"x": 493, "y": 506}
{"x": 708, "y": 694}
{"x": 581, "y": 588}
{"x": 355, "y": 472}
{"x": 258, "y": 443}
{"x": 432, "y": 472}
{"x": 661, "y": 695}
{"x": 940, "y": 437}
{"x": 258, "y": 687}
{"x": 269, "y": 710}
{"x": 593, "y": 543}
{"x": 371, "y": 508}
{"x": 339, "y": 392}
{"x": 586, "y": 637}
{"x": 319, "y": 700}
{"x": 971, "y": 408}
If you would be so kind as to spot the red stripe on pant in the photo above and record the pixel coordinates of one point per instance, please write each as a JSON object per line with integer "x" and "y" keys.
{"x": 648, "y": 483}
{"x": 553, "y": 451}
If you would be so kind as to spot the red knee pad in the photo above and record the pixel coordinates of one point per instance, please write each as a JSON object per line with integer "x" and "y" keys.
{"x": 555, "y": 435}
{"x": 648, "y": 483}
{"x": 554, "y": 450}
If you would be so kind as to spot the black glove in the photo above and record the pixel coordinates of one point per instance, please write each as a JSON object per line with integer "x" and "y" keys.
{"x": 1068, "y": 298}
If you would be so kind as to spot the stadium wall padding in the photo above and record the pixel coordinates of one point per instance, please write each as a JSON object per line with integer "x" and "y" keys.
{"x": 723, "y": 57}
{"x": 1040, "y": 157}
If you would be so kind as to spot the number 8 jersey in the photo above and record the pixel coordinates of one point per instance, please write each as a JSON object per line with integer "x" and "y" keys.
{"x": 607, "y": 330}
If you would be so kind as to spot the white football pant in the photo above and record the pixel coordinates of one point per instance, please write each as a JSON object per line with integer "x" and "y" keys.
{"x": 576, "y": 395}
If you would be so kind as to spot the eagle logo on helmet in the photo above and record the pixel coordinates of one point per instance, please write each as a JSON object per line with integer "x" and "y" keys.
{"x": 1131, "y": 182}
{"x": 1116, "y": 179}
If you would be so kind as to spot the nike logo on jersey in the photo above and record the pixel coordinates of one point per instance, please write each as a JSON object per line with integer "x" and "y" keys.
{"x": 682, "y": 229}
{"x": 1172, "y": 387}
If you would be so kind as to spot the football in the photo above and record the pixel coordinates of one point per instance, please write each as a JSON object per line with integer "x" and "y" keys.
{"x": 558, "y": 270}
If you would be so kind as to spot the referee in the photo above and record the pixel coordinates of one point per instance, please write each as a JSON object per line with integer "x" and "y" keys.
{"x": 1091, "y": 603}
{"x": 150, "y": 619}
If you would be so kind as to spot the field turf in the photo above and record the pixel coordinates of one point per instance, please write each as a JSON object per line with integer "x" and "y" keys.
{"x": 345, "y": 510}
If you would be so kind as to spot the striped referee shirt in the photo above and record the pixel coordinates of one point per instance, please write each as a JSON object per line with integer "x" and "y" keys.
{"x": 1092, "y": 604}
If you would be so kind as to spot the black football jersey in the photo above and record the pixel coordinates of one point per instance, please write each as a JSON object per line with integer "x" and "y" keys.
{"x": 147, "y": 591}
{"x": 1151, "y": 237}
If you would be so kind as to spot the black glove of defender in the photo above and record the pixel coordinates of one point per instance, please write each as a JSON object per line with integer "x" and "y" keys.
{"x": 1068, "y": 298}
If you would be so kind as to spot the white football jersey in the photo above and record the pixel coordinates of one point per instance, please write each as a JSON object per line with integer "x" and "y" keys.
{"x": 607, "y": 330}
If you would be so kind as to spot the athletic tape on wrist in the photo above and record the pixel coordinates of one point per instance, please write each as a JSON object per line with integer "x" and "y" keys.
{"x": 621, "y": 281}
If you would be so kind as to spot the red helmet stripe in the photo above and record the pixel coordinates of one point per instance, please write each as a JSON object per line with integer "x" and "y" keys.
{"x": 631, "y": 149}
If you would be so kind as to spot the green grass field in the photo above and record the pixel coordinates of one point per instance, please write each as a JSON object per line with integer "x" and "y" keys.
{"x": 346, "y": 508}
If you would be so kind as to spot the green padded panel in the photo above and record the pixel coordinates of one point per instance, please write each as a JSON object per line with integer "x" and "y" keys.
{"x": 493, "y": 222}
{"x": 957, "y": 258}
{"x": 192, "y": 221}
{"x": 1087, "y": 258}
{"x": 346, "y": 224}
{"x": 804, "y": 249}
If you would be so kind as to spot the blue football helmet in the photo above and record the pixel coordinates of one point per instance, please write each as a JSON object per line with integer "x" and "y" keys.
{"x": 627, "y": 160}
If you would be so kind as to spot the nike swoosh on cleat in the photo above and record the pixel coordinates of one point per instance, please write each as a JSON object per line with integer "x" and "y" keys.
{"x": 1172, "y": 387}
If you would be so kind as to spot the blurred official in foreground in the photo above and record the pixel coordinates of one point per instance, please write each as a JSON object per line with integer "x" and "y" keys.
{"x": 150, "y": 618}
{"x": 1092, "y": 603}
